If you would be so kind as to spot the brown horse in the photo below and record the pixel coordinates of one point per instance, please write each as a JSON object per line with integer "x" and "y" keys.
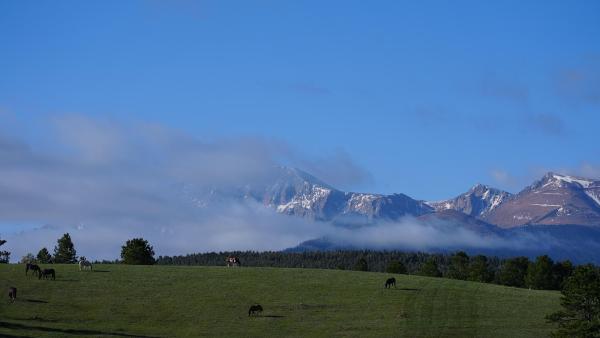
{"x": 255, "y": 309}
{"x": 46, "y": 273}
{"x": 12, "y": 294}
{"x": 33, "y": 267}
{"x": 390, "y": 282}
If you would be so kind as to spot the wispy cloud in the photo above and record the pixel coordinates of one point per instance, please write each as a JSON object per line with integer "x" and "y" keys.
{"x": 494, "y": 86}
{"x": 106, "y": 181}
{"x": 580, "y": 84}
{"x": 336, "y": 168}
{"x": 548, "y": 124}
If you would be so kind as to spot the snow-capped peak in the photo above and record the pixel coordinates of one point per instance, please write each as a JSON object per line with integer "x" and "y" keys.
{"x": 478, "y": 201}
{"x": 583, "y": 182}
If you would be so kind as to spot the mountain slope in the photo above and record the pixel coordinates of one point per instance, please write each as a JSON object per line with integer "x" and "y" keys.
{"x": 294, "y": 192}
{"x": 553, "y": 200}
{"x": 479, "y": 201}
{"x": 309, "y": 197}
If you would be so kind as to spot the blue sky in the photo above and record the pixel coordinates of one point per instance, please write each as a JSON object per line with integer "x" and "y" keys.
{"x": 428, "y": 97}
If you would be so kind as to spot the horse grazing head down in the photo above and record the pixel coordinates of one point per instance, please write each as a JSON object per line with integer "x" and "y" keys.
{"x": 46, "y": 273}
{"x": 255, "y": 309}
{"x": 33, "y": 267}
{"x": 390, "y": 282}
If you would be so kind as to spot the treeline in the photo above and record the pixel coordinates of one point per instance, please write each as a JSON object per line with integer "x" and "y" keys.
{"x": 541, "y": 273}
{"x": 135, "y": 251}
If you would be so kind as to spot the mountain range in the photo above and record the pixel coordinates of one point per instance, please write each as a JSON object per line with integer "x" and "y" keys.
{"x": 554, "y": 199}
{"x": 561, "y": 212}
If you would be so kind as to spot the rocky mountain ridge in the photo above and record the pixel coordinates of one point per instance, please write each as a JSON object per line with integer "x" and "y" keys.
{"x": 555, "y": 199}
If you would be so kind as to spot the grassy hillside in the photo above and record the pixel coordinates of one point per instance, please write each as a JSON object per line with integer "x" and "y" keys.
{"x": 166, "y": 301}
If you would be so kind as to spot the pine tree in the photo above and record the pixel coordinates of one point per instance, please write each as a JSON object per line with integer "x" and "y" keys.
{"x": 580, "y": 316}
{"x": 560, "y": 272}
{"x": 539, "y": 274}
{"x": 4, "y": 255}
{"x": 479, "y": 270}
{"x": 65, "y": 252}
{"x": 361, "y": 265}
{"x": 137, "y": 251}
{"x": 513, "y": 272}
{"x": 459, "y": 266}
{"x": 430, "y": 268}
{"x": 396, "y": 267}
{"x": 43, "y": 256}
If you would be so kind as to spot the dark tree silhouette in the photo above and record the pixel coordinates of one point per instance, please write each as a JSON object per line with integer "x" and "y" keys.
{"x": 4, "y": 255}
{"x": 580, "y": 316}
{"x": 459, "y": 266}
{"x": 396, "y": 267}
{"x": 513, "y": 272}
{"x": 430, "y": 268}
{"x": 43, "y": 256}
{"x": 361, "y": 265}
{"x": 137, "y": 251}
{"x": 479, "y": 270}
{"x": 539, "y": 274}
{"x": 65, "y": 251}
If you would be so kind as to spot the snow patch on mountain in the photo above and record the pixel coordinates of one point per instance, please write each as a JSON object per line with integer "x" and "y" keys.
{"x": 585, "y": 183}
{"x": 478, "y": 201}
{"x": 594, "y": 195}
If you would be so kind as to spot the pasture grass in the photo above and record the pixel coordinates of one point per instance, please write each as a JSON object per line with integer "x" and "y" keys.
{"x": 174, "y": 301}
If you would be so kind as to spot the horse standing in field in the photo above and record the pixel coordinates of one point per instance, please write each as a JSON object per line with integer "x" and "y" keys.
{"x": 83, "y": 263}
{"x": 390, "y": 282}
{"x": 46, "y": 273}
{"x": 33, "y": 267}
{"x": 12, "y": 294}
{"x": 255, "y": 309}
{"x": 233, "y": 261}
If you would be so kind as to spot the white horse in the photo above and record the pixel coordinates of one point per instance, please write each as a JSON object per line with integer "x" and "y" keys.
{"x": 83, "y": 263}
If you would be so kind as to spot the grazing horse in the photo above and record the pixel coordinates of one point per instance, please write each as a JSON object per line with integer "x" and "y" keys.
{"x": 233, "y": 261}
{"x": 33, "y": 267}
{"x": 255, "y": 309}
{"x": 83, "y": 263}
{"x": 46, "y": 273}
{"x": 12, "y": 294}
{"x": 390, "y": 282}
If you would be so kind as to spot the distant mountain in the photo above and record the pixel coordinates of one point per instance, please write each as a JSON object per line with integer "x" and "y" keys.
{"x": 294, "y": 192}
{"x": 553, "y": 200}
{"x": 557, "y": 214}
{"x": 479, "y": 201}
{"x": 298, "y": 193}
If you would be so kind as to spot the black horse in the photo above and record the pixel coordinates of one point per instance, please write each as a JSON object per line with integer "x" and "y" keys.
{"x": 33, "y": 267}
{"x": 46, "y": 273}
{"x": 12, "y": 294}
{"x": 255, "y": 309}
{"x": 390, "y": 282}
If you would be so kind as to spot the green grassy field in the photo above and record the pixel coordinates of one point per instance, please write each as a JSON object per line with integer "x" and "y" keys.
{"x": 168, "y": 301}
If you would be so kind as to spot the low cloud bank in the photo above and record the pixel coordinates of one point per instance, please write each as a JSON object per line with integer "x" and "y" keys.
{"x": 105, "y": 182}
{"x": 412, "y": 234}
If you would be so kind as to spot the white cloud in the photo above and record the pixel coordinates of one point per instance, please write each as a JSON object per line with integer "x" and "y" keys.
{"x": 121, "y": 181}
